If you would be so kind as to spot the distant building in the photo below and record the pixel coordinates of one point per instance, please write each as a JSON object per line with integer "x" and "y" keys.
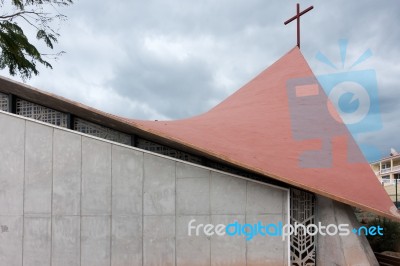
{"x": 387, "y": 170}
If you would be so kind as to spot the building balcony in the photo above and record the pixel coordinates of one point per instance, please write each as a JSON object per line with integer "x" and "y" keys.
{"x": 395, "y": 168}
{"x": 386, "y": 170}
{"x": 387, "y": 182}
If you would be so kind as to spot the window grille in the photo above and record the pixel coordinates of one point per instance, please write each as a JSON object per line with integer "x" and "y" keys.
{"x": 41, "y": 113}
{"x": 3, "y": 102}
{"x": 167, "y": 151}
{"x": 161, "y": 149}
{"x": 232, "y": 170}
{"x": 101, "y": 131}
{"x": 302, "y": 211}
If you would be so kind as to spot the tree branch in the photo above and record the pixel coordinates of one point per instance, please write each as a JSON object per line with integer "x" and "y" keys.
{"x": 30, "y": 23}
{"x": 39, "y": 14}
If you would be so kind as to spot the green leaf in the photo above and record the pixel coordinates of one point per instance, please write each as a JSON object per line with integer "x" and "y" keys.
{"x": 17, "y": 53}
{"x": 47, "y": 38}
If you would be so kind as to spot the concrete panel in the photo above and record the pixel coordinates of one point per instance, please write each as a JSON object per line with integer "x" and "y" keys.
{"x": 11, "y": 240}
{"x": 184, "y": 170}
{"x": 192, "y": 250}
{"x": 341, "y": 250}
{"x": 267, "y": 250}
{"x": 96, "y": 177}
{"x": 66, "y": 242}
{"x": 37, "y": 241}
{"x": 159, "y": 185}
{"x": 159, "y": 240}
{"x": 193, "y": 196}
{"x": 95, "y": 241}
{"x": 228, "y": 250}
{"x": 38, "y": 168}
{"x": 66, "y": 173}
{"x": 228, "y": 194}
{"x": 127, "y": 181}
{"x": 126, "y": 240}
{"x": 12, "y": 141}
{"x": 262, "y": 199}
{"x": 329, "y": 248}
{"x": 356, "y": 249}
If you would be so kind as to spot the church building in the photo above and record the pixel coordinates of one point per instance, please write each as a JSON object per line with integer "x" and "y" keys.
{"x": 79, "y": 186}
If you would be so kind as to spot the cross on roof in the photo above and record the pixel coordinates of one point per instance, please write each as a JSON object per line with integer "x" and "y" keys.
{"x": 297, "y": 17}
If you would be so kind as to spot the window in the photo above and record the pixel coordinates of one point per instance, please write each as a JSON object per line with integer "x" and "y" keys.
{"x": 3, "y": 102}
{"x": 161, "y": 149}
{"x": 101, "y": 131}
{"x": 41, "y": 113}
{"x": 386, "y": 179}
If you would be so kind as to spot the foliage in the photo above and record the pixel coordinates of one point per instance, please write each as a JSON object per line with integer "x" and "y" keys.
{"x": 17, "y": 53}
{"x": 390, "y": 239}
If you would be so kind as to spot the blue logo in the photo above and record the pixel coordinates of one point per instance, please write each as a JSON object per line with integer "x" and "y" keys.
{"x": 319, "y": 107}
{"x": 368, "y": 231}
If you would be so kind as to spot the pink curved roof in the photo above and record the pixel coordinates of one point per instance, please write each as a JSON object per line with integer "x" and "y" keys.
{"x": 272, "y": 125}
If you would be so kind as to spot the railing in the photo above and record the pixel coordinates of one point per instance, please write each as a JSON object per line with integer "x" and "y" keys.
{"x": 396, "y": 168}
{"x": 386, "y": 170}
{"x": 389, "y": 181}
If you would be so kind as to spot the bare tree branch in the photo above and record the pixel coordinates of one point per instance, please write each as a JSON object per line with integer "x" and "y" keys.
{"x": 22, "y": 13}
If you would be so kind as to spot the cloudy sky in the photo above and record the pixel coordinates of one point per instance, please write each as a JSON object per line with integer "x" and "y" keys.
{"x": 174, "y": 59}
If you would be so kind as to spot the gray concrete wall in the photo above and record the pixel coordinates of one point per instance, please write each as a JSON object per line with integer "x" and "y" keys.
{"x": 68, "y": 199}
{"x": 348, "y": 250}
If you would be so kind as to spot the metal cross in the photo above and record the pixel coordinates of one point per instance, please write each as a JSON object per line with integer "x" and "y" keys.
{"x": 297, "y": 17}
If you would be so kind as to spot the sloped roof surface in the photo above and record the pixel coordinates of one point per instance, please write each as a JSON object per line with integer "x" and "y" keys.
{"x": 279, "y": 125}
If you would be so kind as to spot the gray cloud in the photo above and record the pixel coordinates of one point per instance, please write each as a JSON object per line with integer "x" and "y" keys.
{"x": 174, "y": 59}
